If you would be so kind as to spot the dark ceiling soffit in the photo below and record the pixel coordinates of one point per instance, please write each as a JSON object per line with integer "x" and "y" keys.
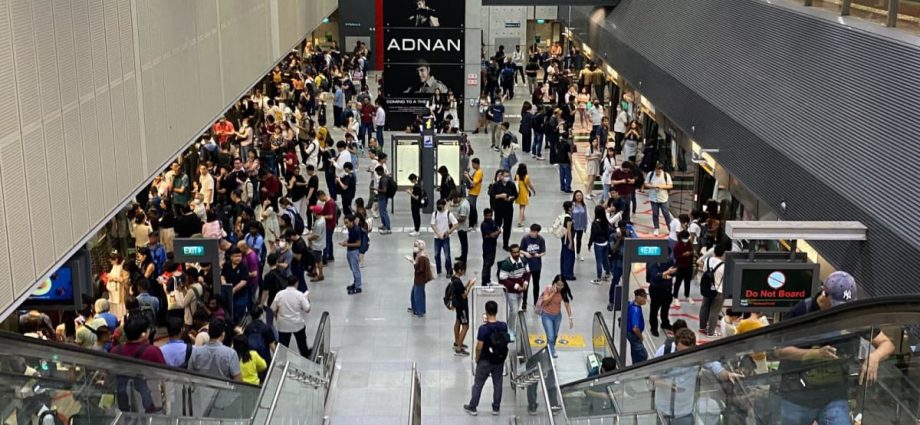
{"x": 605, "y": 3}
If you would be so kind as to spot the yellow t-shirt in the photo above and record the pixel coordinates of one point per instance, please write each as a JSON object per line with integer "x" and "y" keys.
{"x": 477, "y": 183}
{"x": 250, "y": 370}
{"x": 748, "y": 325}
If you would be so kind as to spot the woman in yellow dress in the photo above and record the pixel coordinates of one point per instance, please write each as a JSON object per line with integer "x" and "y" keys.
{"x": 525, "y": 191}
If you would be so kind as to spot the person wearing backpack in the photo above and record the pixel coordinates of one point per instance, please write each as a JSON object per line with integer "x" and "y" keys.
{"x": 549, "y": 307}
{"x": 386, "y": 190}
{"x": 492, "y": 341}
{"x": 137, "y": 348}
{"x": 456, "y": 299}
{"x": 712, "y": 264}
{"x": 658, "y": 183}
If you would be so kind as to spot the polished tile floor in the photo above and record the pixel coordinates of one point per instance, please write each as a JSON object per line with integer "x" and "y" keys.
{"x": 377, "y": 341}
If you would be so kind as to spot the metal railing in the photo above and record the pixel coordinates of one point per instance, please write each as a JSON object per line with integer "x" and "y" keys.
{"x": 415, "y": 397}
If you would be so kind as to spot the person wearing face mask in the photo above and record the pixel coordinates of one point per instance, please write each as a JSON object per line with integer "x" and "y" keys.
{"x": 683, "y": 256}
{"x": 505, "y": 192}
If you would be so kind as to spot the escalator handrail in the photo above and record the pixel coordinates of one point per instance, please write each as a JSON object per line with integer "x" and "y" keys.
{"x": 525, "y": 334}
{"x": 857, "y": 310}
{"x": 599, "y": 318}
{"x": 322, "y": 331}
{"x": 73, "y": 354}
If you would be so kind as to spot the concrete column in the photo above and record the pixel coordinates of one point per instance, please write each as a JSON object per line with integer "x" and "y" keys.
{"x": 473, "y": 43}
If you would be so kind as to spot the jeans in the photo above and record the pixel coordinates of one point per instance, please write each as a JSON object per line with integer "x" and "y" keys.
{"x": 365, "y": 130}
{"x": 567, "y": 262}
{"x": 484, "y": 370}
{"x": 565, "y": 177}
{"x": 636, "y": 349}
{"x": 284, "y": 338}
{"x": 514, "y": 305}
{"x": 684, "y": 274}
{"x": 382, "y": 202}
{"x": 537, "y": 147}
{"x": 663, "y": 207}
{"x": 442, "y": 245}
{"x": 551, "y": 323}
{"x": 380, "y": 135}
{"x": 464, "y": 245}
{"x": 601, "y": 259}
{"x": 660, "y": 305}
{"x": 355, "y": 267}
{"x": 418, "y": 300}
{"x": 709, "y": 312}
{"x": 606, "y": 194}
{"x": 327, "y": 252}
{"x": 836, "y": 412}
{"x": 506, "y": 163}
{"x": 473, "y": 219}
{"x": 298, "y": 271}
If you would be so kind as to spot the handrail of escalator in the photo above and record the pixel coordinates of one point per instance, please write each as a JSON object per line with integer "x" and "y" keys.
{"x": 814, "y": 322}
{"x": 608, "y": 338}
{"x": 415, "y": 397}
{"x": 321, "y": 353}
{"x": 524, "y": 335}
{"x": 17, "y": 345}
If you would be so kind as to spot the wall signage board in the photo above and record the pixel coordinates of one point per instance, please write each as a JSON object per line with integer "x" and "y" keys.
{"x": 424, "y": 13}
{"x": 407, "y": 45}
{"x": 773, "y": 286}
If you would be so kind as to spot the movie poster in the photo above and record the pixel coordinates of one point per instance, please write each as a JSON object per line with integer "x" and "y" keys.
{"x": 424, "y": 13}
{"x": 409, "y": 88}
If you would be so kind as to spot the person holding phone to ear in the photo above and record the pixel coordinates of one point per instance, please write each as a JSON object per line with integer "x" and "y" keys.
{"x": 553, "y": 298}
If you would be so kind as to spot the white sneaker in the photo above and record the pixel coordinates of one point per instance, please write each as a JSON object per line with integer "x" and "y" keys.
{"x": 413, "y": 233}
{"x": 675, "y": 303}
{"x": 580, "y": 258}
{"x": 689, "y": 301}
{"x": 655, "y": 233}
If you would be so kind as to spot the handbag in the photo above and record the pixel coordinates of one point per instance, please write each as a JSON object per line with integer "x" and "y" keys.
{"x": 512, "y": 159}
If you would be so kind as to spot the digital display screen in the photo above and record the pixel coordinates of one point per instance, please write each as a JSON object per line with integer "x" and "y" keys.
{"x": 775, "y": 287}
{"x": 56, "y": 289}
{"x": 648, "y": 251}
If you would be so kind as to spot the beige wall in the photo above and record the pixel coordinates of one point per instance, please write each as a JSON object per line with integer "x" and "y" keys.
{"x": 97, "y": 95}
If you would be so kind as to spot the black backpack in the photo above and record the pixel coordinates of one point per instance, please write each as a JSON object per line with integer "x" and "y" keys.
{"x": 449, "y": 295}
{"x": 390, "y": 185}
{"x": 708, "y": 280}
{"x": 498, "y": 343}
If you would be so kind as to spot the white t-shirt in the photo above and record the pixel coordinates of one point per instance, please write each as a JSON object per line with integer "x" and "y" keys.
{"x": 610, "y": 165}
{"x": 658, "y": 195}
{"x": 719, "y": 275}
{"x": 312, "y": 151}
{"x": 674, "y": 228}
{"x": 340, "y": 160}
{"x": 442, "y": 221}
{"x": 619, "y": 125}
{"x": 695, "y": 229}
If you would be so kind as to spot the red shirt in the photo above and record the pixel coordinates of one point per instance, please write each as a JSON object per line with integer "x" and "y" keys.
{"x": 367, "y": 113}
{"x": 623, "y": 188}
{"x": 219, "y": 131}
{"x": 679, "y": 250}
{"x": 271, "y": 186}
{"x": 151, "y": 353}
{"x": 329, "y": 210}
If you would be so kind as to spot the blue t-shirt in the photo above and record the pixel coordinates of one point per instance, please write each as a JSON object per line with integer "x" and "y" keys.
{"x": 354, "y": 235}
{"x": 498, "y": 112}
{"x": 339, "y": 99}
{"x": 110, "y": 320}
{"x": 634, "y": 317}
{"x": 174, "y": 352}
{"x": 533, "y": 246}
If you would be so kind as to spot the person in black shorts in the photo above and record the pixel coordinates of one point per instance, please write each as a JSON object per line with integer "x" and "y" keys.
{"x": 461, "y": 306}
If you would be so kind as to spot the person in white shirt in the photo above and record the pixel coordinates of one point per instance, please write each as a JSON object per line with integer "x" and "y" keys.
{"x": 343, "y": 157}
{"x": 312, "y": 150}
{"x": 288, "y": 308}
{"x": 517, "y": 58}
{"x": 675, "y": 226}
{"x": 658, "y": 183}
{"x": 380, "y": 121}
{"x": 443, "y": 223}
{"x": 712, "y": 260}
{"x": 205, "y": 185}
{"x": 619, "y": 128}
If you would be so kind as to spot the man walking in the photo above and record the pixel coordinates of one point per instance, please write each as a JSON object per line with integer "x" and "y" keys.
{"x": 635, "y": 324}
{"x": 288, "y": 308}
{"x": 496, "y": 115}
{"x": 474, "y": 182}
{"x": 533, "y": 248}
{"x": 491, "y": 351}
{"x": 463, "y": 220}
{"x": 658, "y": 183}
{"x": 514, "y": 275}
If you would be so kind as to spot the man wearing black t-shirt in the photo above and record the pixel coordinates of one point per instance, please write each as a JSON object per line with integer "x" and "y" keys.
{"x": 273, "y": 282}
{"x": 491, "y": 352}
{"x": 504, "y": 192}
{"x": 461, "y": 306}
{"x": 312, "y": 189}
{"x": 236, "y": 274}
{"x": 490, "y": 232}
{"x": 346, "y": 187}
{"x": 563, "y": 155}
{"x": 301, "y": 257}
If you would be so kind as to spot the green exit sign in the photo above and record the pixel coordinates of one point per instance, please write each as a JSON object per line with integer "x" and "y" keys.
{"x": 325, "y": 20}
{"x": 541, "y": 21}
{"x": 649, "y": 251}
{"x": 193, "y": 251}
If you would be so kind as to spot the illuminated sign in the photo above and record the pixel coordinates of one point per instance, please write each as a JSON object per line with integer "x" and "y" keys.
{"x": 648, "y": 251}
{"x": 193, "y": 251}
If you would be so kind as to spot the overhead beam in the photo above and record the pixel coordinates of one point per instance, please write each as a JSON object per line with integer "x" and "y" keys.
{"x": 792, "y": 230}
{"x": 599, "y": 3}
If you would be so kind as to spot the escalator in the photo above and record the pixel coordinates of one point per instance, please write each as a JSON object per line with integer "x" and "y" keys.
{"x": 786, "y": 373}
{"x": 45, "y": 382}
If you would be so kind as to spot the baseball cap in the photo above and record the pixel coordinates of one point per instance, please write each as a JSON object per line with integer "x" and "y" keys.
{"x": 840, "y": 287}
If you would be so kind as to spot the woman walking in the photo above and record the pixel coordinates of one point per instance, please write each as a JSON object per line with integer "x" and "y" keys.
{"x": 525, "y": 191}
{"x": 599, "y": 240}
{"x": 608, "y": 166}
{"x": 554, "y": 297}
{"x": 579, "y": 220}
{"x": 507, "y": 152}
{"x": 567, "y": 257}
